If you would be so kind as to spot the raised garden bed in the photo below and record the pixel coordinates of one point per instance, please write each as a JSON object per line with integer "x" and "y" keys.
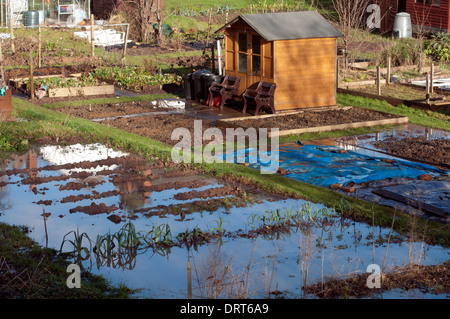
{"x": 81, "y": 91}
{"x": 135, "y": 79}
{"x": 60, "y": 86}
{"x": 100, "y": 111}
{"x": 160, "y": 126}
{"x": 316, "y": 121}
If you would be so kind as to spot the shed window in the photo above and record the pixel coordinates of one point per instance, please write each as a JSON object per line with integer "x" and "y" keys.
{"x": 243, "y": 62}
{"x": 242, "y": 42}
{"x": 256, "y": 44}
{"x": 256, "y": 65}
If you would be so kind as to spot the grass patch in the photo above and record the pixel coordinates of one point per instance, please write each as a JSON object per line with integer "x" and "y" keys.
{"x": 334, "y": 134}
{"x": 416, "y": 116}
{"x": 33, "y": 272}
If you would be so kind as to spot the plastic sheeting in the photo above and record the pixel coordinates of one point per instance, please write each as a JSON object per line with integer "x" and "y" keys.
{"x": 435, "y": 192}
{"x": 326, "y": 165}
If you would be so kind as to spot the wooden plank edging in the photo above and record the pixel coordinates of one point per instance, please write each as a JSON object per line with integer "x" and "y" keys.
{"x": 225, "y": 123}
{"x": 79, "y": 91}
{"x": 400, "y": 120}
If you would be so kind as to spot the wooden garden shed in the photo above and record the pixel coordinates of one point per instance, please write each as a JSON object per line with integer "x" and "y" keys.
{"x": 295, "y": 50}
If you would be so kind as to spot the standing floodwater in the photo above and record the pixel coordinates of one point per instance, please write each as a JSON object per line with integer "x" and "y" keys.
{"x": 152, "y": 226}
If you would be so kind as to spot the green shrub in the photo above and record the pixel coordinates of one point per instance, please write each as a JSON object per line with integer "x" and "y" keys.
{"x": 439, "y": 46}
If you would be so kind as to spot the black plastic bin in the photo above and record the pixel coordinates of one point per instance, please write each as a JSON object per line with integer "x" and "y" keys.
{"x": 198, "y": 87}
{"x": 188, "y": 86}
{"x": 208, "y": 80}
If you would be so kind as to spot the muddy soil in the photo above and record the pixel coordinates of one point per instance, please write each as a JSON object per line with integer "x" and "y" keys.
{"x": 151, "y": 50}
{"x": 420, "y": 149}
{"x": 160, "y": 127}
{"x": 100, "y": 111}
{"x": 431, "y": 279}
{"x": 53, "y": 70}
{"x": 23, "y": 45}
{"x": 313, "y": 119}
{"x": 50, "y": 100}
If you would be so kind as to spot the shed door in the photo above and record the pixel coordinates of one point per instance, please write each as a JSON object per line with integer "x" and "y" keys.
{"x": 249, "y": 58}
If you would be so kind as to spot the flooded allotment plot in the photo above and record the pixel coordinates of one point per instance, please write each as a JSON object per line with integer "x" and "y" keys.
{"x": 173, "y": 232}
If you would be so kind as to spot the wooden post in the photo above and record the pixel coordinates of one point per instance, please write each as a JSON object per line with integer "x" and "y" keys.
{"x": 388, "y": 75}
{"x": 432, "y": 78}
{"x": 337, "y": 74}
{"x": 125, "y": 46}
{"x": 213, "y": 63}
{"x": 2, "y": 69}
{"x": 11, "y": 31}
{"x": 209, "y": 28}
{"x": 189, "y": 273}
{"x": 92, "y": 36}
{"x": 39, "y": 47}
{"x": 378, "y": 80}
{"x": 428, "y": 87}
{"x": 31, "y": 75}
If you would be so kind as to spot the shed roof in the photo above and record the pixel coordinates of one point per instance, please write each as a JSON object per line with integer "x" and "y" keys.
{"x": 288, "y": 25}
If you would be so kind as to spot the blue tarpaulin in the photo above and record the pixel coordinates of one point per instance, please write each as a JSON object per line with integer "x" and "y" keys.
{"x": 326, "y": 165}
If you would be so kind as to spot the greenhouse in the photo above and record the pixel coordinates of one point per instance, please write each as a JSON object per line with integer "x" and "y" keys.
{"x": 43, "y": 12}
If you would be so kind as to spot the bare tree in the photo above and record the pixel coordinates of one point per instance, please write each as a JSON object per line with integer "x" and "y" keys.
{"x": 142, "y": 14}
{"x": 421, "y": 20}
{"x": 348, "y": 15}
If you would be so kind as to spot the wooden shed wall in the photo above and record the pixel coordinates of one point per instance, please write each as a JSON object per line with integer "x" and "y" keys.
{"x": 429, "y": 15}
{"x": 305, "y": 73}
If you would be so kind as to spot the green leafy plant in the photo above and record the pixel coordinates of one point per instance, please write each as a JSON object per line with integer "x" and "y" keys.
{"x": 133, "y": 77}
{"x": 10, "y": 144}
{"x": 78, "y": 244}
{"x": 57, "y": 82}
{"x": 219, "y": 226}
{"x": 439, "y": 46}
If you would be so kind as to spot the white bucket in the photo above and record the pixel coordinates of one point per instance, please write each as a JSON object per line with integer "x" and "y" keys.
{"x": 41, "y": 16}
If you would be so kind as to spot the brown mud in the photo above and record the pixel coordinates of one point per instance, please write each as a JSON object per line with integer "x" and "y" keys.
{"x": 160, "y": 127}
{"x": 100, "y": 111}
{"x": 433, "y": 279}
{"x": 434, "y": 151}
{"x": 313, "y": 119}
